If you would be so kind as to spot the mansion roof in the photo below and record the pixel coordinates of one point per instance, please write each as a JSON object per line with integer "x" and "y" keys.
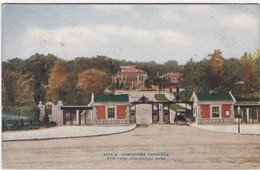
{"x": 172, "y": 74}
{"x": 131, "y": 69}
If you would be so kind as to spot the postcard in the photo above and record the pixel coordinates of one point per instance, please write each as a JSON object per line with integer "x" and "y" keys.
{"x": 130, "y": 85}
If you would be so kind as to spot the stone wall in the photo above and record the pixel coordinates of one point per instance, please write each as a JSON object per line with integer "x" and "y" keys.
{"x": 214, "y": 121}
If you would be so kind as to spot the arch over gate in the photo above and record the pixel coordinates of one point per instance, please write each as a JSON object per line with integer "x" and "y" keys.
{"x": 48, "y": 108}
{"x": 159, "y": 112}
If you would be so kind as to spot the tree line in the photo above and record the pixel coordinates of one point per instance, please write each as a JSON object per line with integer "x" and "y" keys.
{"x": 26, "y": 82}
{"x": 41, "y": 77}
{"x": 216, "y": 74}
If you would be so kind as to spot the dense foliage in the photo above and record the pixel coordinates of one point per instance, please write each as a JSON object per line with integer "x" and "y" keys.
{"x": 214, "y": 73}
{"x": 49, "y": 78}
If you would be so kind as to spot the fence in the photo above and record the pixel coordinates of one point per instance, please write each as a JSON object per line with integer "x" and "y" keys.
{"x": 14, "y": 117}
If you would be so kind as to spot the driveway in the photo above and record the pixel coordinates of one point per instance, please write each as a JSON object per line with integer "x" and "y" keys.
{"x": 151, "y": 147}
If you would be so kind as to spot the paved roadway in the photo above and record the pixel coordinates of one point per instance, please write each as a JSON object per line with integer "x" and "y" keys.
{"x": 59, "y": 132}
{"x": 176, "y": 147}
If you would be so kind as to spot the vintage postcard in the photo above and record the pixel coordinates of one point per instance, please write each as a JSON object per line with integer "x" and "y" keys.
{"x": 130, "y": 85}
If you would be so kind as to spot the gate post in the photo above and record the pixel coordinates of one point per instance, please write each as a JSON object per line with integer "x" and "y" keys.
{"x": 127, "y": 117}
{"x": 160, "y": 113}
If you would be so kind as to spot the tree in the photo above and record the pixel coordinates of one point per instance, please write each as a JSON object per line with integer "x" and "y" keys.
{"x": 172, "y": 65}
{"x": 216, "y": 68}
{"x": 102, "y": 63}
{"x": 256, "y": 59}
{"x": 248, "y": 72}
{"x": 93, "y": 81}
{"x": 9, "y": 87}
{"x": 189, "y": 78}
{"x": 25, "y": 94}
{"x": 12, "y": 70}
{"x": 60, "y": 81}
{"x": 38, "y": 67}
{"x": 232, "y": 76}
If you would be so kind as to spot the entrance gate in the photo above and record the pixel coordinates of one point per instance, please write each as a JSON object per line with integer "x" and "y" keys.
{"x": 77, "y": 115}
{"x": 160, "y": 110}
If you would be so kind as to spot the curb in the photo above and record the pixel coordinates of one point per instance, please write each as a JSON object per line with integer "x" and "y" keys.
{"x": 69, "y": 137}
{"x": 194, "y": 126}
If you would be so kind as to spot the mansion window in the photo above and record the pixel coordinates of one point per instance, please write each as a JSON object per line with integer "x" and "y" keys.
{"x": 111, "y": 113}
{"x": 215, "y": 111}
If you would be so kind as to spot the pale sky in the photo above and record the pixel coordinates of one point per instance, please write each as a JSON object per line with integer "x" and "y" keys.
{"x": 151, "y": 32}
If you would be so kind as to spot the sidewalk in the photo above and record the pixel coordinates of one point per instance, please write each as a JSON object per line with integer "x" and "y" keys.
{"x": 250, "y": 129}
{"x": 60, "y": 132}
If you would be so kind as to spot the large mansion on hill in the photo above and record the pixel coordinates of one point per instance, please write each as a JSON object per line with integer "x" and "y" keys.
{"x": 130, "y": 75}
{"x": 135, "y": 77}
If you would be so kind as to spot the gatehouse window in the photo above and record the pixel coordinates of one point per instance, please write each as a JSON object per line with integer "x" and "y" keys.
{"x": 215, "y": 111}
{"x": 111, "y": 113}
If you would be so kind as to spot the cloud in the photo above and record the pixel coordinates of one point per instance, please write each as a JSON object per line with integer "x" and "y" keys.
{"x": 176, "y": 38}
{"x": 115, "y": 8}
{"x": 110, "y": 40}
{"x": 171, "y": 15}
{"x": 243, "y": 21}
{"x": 102, "y": 34}
{"x": 199, "y": 9}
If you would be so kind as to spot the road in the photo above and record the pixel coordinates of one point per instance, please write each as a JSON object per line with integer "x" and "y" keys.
{"x": 150, "y": 147}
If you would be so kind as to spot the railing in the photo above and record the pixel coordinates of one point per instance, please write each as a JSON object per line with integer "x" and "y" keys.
{"x": 111, "y": 122}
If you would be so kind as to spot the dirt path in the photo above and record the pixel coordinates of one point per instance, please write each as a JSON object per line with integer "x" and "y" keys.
{"x": 155, "y": 146}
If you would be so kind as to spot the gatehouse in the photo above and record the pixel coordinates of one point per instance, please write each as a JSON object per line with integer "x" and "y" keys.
{"x": 113, "y": 109}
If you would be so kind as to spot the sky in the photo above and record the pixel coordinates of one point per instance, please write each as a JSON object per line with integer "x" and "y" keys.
{"x": 132, "y": 32}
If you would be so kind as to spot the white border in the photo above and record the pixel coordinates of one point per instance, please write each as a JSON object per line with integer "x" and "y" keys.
{"x": 132, "y": 1}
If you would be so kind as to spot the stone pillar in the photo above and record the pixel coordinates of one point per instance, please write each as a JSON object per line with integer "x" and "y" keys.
{"x": 251, "y": 116}
{"x": 257, "y": 115}
{"x": 42, "y": 111}
{"x": 93, "y": 115}
{"x": 59, "y": 113}
{"x": 247, "y": 115}
{"x": 160, "y": 113}
{"x": 127, "y": 116}
{"x": 198, "y": 114}
{"x": 77, "y": 117}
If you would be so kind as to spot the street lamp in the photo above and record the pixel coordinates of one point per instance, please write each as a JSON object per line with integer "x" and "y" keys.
{"x": 238, "y": 114}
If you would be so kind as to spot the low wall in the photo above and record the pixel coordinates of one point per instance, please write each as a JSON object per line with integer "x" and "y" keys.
{"x": 215, "y": 121}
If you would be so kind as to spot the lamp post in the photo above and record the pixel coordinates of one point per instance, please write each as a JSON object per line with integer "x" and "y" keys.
{"x": 238, "y": 123}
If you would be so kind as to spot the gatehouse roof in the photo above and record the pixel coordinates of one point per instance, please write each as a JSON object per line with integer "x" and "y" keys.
{"x": 214, "y": 97}
{"x": 112, "y": 98}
